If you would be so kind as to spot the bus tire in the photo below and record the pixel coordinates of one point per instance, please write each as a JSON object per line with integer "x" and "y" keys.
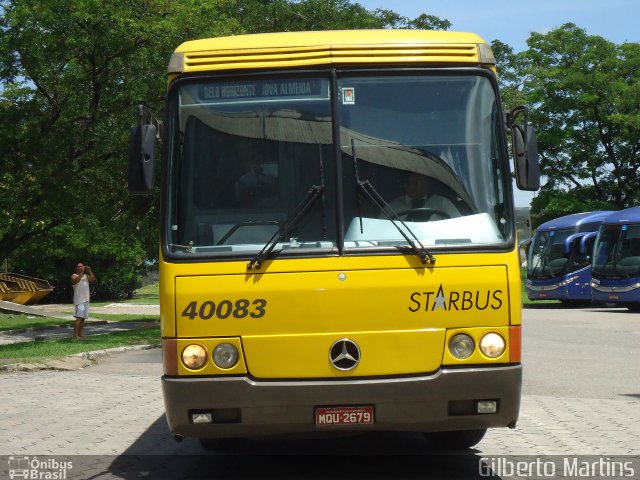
{"x": 455, "y": 440}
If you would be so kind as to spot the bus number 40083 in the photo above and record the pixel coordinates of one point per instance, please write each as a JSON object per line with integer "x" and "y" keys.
{"x": 241, "y": 308}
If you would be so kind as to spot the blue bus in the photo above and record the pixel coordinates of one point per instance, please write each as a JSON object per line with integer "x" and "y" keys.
{"x": 559, "y": 258}
{"x": 616, "y": 263}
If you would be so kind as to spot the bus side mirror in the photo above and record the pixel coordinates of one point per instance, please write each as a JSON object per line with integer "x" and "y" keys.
{"x": 527, "y": 162}
{"x": 142, "y": 148}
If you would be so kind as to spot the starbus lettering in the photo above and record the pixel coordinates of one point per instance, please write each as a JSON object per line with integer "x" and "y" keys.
{"x": 430, "y": 301}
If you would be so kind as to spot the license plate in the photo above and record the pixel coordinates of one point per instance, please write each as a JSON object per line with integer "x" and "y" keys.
{"x": 360, "y": 415}
{"x": 613, "y": 296}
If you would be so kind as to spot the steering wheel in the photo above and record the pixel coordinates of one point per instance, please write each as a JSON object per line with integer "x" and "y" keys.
{"x": 422, "y": 214}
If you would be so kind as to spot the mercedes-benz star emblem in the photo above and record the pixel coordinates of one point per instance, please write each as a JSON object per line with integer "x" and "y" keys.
{"x": 344, "y": 354}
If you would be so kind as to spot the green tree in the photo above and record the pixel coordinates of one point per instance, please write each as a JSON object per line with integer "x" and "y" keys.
{"x": 71, "y": 73}
{"x": 510, "y": 67}
{"x": 261, "y": 16}
{"x": 583, "y": 91}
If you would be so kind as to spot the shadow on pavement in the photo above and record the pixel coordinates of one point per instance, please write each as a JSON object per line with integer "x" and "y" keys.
{"x": 631, "y": 395}
{"x": 607, "y": 308}
{"x": 155, "y": 455}
{"x": 544, "y": 306}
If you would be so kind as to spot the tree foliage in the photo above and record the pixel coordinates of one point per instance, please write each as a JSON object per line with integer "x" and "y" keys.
{"x": 584, "y": 96}
{"x": 71, "y": 73}
{"x": 261, "y": 16}
{"x": 510, "y": 67}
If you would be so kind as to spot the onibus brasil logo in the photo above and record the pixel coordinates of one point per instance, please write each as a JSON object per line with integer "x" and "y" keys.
{"x": 34, "y": 468}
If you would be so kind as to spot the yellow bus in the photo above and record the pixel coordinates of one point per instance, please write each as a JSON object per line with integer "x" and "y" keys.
{"x": 338, "y": 244}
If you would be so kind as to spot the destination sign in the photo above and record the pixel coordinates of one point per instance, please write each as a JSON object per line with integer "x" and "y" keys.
{"x": 292, "y": 89}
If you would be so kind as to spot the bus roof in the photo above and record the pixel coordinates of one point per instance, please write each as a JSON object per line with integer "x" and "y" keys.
{"x": 295, "y": 49}
{"x": 629, "y": 215}
{"x": 575, "y": 220}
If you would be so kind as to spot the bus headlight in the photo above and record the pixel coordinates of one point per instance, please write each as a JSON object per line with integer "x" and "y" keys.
{"x": 194, "y": 356}
{"x": 566, "y": 282}
{"x": 225, "y": 355}
{"x": 461, "y": 346}
{"x": 492, "y": 345}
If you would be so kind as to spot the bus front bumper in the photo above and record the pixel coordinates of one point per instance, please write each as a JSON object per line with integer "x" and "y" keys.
{"x": 243, "y": 407}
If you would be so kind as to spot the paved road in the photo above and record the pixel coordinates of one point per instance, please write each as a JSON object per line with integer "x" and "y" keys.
{"x": 581, "y": 397}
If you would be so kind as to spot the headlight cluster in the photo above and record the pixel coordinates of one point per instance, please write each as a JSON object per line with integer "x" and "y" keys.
{"x": 566, "y": 282}
{"x": 194, "y": 357}
{"x": 225, "y": 356}
{"x": 462, "y": 346}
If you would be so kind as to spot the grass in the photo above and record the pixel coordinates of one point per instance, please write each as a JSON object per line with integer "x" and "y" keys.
{"x": 122, "y": 317}
{"x": 149, "y": 294}
{"x": 18, "y": 321}
{"x": 47, "y": 349}
{"x": 53, "y": 348}
{"x": 10, "y": 321}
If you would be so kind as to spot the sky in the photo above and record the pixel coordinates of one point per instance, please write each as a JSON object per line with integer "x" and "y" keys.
{"x": 512, "y": 21}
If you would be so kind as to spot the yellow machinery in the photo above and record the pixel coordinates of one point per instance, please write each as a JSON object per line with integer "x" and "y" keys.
{"x": 23, "y": 289}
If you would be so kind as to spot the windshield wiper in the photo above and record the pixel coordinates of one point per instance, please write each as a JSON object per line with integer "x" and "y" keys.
{"x": 312, "y": 195}
{"x": 369, "y": 191}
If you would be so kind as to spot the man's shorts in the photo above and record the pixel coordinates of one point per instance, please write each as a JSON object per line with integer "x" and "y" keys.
{"x": 82, "y": 310}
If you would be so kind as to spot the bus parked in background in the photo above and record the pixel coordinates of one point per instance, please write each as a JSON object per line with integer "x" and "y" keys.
{"x": 559, "y": 258}
{"x": 616, "y": 263}
{"x": 338, "y": 242}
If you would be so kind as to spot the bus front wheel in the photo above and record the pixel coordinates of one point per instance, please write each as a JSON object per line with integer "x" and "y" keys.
{"x": 457, "y": 440}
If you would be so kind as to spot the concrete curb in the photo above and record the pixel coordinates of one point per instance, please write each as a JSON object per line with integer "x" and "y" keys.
{"x": 73, "y": 362}
{"x": 96, "y": 354}
{"x": 11, "y": 307}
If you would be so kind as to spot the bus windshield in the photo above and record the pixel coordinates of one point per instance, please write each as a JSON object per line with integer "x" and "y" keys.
{"x": 245, "y": 152}
{"x": 547, "y": 258}
{"x": 618, "y": 251}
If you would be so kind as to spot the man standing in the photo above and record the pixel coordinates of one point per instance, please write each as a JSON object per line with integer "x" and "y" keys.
{"x": 81, "y": 292}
